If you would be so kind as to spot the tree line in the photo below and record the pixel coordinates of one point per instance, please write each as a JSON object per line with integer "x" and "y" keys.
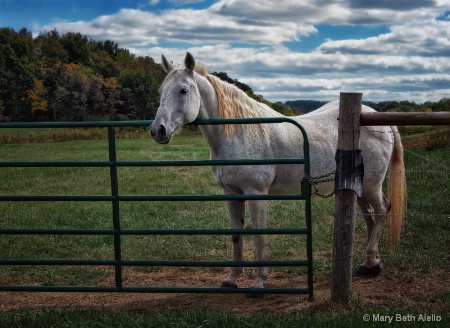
{"x": 54, "y": 77}
{"x": 68, "y": 77}
{"x": 411, "y": 106}
{"x": 306, "y": 106}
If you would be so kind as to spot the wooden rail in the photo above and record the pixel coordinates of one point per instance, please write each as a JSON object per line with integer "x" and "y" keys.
{"x": 417, "y": 118}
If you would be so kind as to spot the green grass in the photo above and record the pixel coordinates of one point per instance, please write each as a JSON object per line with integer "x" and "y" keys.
{"x": 424, "y": 246}
{"x": 39, "y": 135}
{"x": 203, "y": 318}
{"x": 426, "y": 234}
{"x": 426, "y": 220}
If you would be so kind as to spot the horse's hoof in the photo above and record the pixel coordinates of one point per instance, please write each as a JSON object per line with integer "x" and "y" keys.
{"x": 369, "y": 272}
{"x": 254, "y": 295}
{"x": 226, "y": 284}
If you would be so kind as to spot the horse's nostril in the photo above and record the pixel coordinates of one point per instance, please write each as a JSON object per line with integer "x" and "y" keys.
{"x": 161, "y": 130}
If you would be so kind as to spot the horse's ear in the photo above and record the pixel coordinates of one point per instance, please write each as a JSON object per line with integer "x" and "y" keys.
{"x": 167, "y": 65}
{"x": 189, "y": 62}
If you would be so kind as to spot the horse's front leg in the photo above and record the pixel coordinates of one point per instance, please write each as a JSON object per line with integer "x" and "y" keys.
{"x": 258, "y": 215}
{"x": 236, "y": 212}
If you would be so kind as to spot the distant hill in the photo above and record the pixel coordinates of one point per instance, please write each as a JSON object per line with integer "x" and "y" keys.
{"x": 304, "y": 106}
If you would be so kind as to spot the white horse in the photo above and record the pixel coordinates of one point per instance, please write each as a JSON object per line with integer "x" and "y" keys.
{"x": 189, "y": 92}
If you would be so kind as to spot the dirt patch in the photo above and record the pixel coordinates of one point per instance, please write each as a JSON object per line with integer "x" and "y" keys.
{"x": 416, "y": 142}
{"x": 418, "y": 292}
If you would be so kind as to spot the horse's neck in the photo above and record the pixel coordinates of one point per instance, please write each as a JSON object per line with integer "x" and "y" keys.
{"x": 209, "y": 109}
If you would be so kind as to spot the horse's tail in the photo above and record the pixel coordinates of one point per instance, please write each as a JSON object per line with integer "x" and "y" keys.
{"x": 396, "y": 192}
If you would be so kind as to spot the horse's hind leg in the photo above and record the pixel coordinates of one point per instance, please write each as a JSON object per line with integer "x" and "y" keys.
{"x": 236, "y": 212}
{"x": 367, "y": 212}
{"x": 380, "y": 205}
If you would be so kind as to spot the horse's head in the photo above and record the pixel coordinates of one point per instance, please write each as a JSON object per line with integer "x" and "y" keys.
{"x": 180, "y": 100}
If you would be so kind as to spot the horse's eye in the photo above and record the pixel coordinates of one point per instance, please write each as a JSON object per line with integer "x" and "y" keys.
{"x": 183, "y": 91}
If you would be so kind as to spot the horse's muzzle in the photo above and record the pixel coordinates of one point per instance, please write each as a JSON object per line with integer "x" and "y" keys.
{"x": 159, "y": 134}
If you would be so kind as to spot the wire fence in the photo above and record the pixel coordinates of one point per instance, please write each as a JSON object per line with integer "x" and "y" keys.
{"x": 426, "y": 229}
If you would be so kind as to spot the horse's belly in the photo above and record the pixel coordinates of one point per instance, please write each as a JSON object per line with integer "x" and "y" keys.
{"x": 260, "y": 179}
{"x": 287, "y": 180}
{"x": 244, "y": 179}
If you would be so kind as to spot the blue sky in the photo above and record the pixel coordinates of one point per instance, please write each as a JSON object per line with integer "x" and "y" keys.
{"x": 285, "y": 50}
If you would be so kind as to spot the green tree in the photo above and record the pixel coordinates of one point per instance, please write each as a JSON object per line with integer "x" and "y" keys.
{"x": 283, "y": 109}
{"x": 124, "y": 58}
{"x": 140, "y": 93}
{"x": 16, "y": 73}
{"x": 148, "y": 64}
{"x": 442, "y": 105}
{"x": 53, "y": 78}
{"x": 67, "y": 87}
{"x": 95, "y": 100}
{"x": 76, "y": 86}
{"x": 103, "y": 98}
{"x": 76, "y": 46}
{"x": 224, "y": 77}
{"x": 49, "y": 48}
{"x": 104, "y": 64}
{"x": 112, "y": 94}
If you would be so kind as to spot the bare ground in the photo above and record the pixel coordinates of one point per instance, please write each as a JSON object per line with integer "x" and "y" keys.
{"x": 416, "y": 142}
{"x": 403, "y": 291}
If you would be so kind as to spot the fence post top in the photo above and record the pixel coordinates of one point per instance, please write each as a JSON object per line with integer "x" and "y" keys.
{"x": 351, "y": 92}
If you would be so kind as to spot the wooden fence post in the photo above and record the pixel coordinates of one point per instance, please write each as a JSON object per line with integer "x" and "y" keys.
{"x": 345, "y": 198}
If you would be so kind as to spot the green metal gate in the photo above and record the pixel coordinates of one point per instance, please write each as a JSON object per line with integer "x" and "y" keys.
{"x": 115, "y": 198}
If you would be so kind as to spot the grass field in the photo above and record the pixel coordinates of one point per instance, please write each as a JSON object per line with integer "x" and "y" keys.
{"x": 202, "y": 318}
{"x": 134, "y": 215}
{"x": 424, "y": 247}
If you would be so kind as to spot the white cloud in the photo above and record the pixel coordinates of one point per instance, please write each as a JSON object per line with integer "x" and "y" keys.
{"x": 281, "y": 74}
{"x": 426, "y": 38}
{"x": 149, "y": 3}
{"x": 282, "y": 61}
{"x": 408, "y": 62}
{"x": 333, "y": 12}
{"x": 184, "y": 2}
{"x": 413, "y": 88}
{"x": 137, "y": 27}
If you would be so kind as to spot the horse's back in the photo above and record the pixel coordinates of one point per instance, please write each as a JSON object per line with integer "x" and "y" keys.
{"x": 376, "y": 143}
{"x": 286, "y": 141}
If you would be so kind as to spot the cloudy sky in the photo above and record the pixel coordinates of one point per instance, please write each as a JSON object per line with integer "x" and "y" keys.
{"x": 284, "y": 49}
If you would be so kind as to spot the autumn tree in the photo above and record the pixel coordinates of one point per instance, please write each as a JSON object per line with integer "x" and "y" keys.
{"x": 37, "y": 97}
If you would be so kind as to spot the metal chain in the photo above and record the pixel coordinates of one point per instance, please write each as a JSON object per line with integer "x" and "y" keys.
{"x": 314, "y": 181}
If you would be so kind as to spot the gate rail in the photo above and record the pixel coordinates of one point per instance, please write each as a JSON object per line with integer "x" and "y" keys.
{"x": 115, "y": 198}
